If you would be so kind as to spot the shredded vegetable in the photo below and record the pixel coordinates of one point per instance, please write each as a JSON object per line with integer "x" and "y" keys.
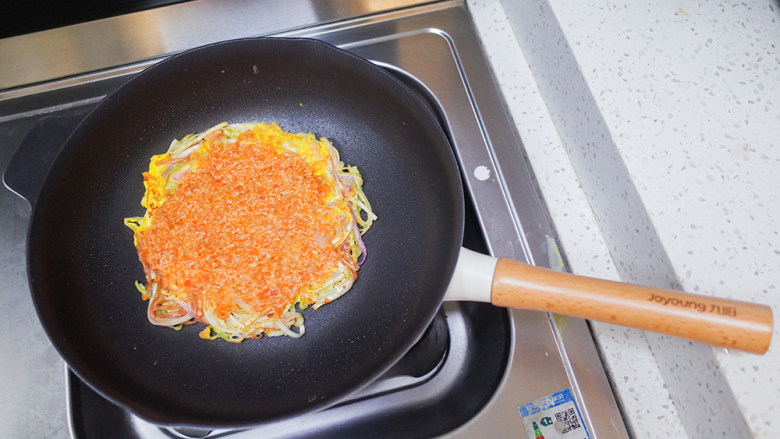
{"x": 245, "y": 226}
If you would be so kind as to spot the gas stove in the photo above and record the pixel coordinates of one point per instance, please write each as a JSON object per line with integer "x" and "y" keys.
{"x": 479, "y": 371}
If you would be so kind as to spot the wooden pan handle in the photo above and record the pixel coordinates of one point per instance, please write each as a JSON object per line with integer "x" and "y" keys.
{"x": 728, "y": 323}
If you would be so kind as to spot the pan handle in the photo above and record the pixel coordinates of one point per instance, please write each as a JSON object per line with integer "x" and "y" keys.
{"x": 721, "y": 322}
{"x": 34, "y": 157}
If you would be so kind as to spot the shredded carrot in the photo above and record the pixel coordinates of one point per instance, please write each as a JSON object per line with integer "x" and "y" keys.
{"x": 248, "y": 223}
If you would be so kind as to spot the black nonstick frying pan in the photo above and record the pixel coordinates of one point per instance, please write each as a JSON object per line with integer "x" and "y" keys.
{"x": 82, "y": 264}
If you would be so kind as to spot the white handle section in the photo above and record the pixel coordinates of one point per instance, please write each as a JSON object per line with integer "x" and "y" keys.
{"x": 473, "y": 277}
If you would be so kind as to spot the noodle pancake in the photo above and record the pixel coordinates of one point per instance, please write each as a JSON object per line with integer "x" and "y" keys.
{"x": 243, "y": 223}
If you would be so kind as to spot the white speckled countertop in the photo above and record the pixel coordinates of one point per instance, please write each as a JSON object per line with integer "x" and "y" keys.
{"x": 653, "y": 129}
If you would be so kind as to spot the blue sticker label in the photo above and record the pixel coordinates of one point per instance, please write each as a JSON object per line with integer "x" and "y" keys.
{"x": 554, "y": 416}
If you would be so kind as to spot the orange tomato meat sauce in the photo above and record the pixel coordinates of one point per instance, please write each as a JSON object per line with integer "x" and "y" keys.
{"x": 248, "y": 225}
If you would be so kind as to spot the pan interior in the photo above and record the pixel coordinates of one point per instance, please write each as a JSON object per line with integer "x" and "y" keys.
{"x": 82, "y": 263}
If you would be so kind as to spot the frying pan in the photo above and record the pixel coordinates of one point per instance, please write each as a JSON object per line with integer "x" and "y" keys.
{"x": 82, "y": 264}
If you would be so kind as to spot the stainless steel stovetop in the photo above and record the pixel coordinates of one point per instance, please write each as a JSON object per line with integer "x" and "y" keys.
{"x": 488, "y": 371}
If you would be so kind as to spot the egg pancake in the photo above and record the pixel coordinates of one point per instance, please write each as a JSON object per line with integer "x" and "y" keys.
{"x": 245, "y": 225}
